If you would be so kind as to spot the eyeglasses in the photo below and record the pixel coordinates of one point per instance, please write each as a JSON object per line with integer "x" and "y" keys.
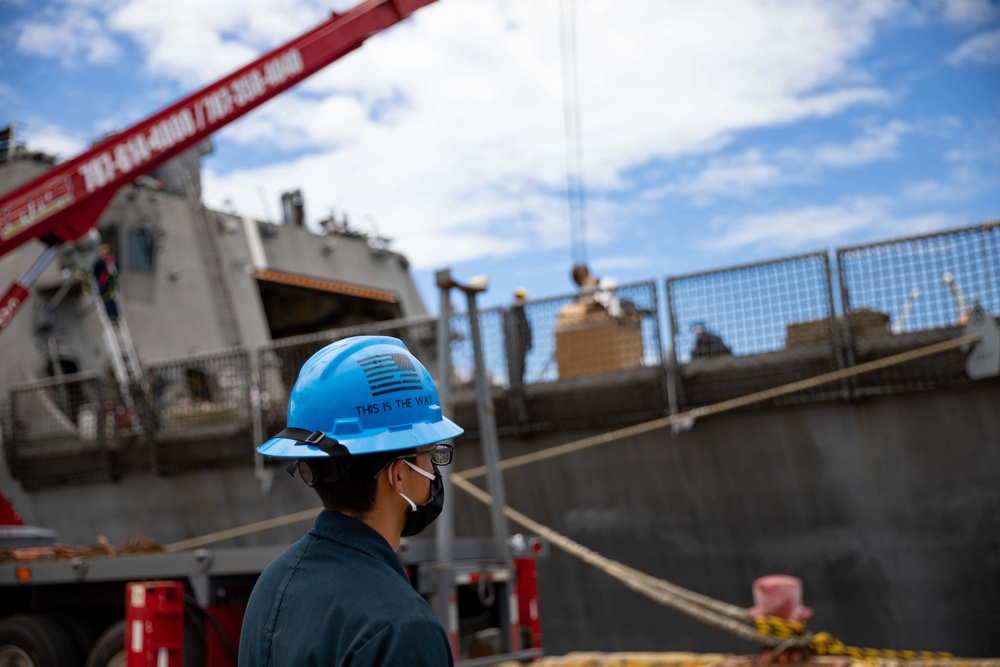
{"x": 441, "y": 455}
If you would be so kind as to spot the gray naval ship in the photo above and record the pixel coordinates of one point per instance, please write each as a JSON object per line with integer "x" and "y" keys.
{"x": 99, "y": 409}
{"x": 879, "y": 491}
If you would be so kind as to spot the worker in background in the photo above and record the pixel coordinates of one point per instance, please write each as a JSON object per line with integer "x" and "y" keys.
{"x": 365, "y": 431}
{"x": 600, "y": 291}
{"x": 706, "y": 343}
{"x": 106, "y": 275}
{"x": 517, "y": 333}
{"x": 583, "y": 278}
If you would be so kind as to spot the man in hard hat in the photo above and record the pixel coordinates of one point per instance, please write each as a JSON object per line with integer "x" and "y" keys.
{"x": 517, "y": 333}
{"x": 365, "y": 432}
{"x": 600, "y": 291}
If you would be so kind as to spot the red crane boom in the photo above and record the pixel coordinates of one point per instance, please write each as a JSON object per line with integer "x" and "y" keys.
{"x": 66, "y": 202}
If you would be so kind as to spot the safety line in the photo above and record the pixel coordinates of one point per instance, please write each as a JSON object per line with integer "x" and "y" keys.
{"x": 724, "y": 406}
{"x": 769, "y": 631}
{"x": 720, "y": 614}
{"x": 717, "y": 613}
{"x": 267, "y": 524}
{"x": 611, "y": 436}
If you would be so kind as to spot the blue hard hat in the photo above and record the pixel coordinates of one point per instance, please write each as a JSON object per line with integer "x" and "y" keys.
{"x": 367, "y": 394}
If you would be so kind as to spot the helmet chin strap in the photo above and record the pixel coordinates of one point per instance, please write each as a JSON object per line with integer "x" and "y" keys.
{"x": 413, "y": 505}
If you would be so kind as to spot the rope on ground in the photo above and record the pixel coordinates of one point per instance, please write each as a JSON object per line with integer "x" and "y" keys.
{"x": 823, "y": 643}
{"x": 713, "y": 612}
{"x": 701, "y": 607}
{"x": 771, "y": 631}
{"x": 612, "y": 436}
{"x": 725, "y": 406}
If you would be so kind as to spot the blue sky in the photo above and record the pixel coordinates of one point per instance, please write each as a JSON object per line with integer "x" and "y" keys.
{"x": 712, "y": 133}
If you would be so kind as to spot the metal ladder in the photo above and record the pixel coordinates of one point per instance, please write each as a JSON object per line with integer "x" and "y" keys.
{"x": 125, "y": 364}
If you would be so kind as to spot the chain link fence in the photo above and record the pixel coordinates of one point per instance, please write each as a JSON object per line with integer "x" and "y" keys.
{"x": 908, "y": 293}
{"x": 562, "y": 337}
{"x": 588, "y": 358}
{"x": 744, "y": 329}
{"x": 66, "y": 430}
{"x": 201, "y": 410}
{"x": 585, "y": 359}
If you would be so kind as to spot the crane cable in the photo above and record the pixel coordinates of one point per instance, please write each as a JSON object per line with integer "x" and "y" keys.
{"x": 575, "y": 198}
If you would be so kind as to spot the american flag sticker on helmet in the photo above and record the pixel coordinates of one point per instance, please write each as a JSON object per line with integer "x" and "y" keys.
{"x": 389, "y": 373}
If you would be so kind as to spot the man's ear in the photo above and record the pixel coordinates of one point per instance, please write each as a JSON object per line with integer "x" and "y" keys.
{"x": 394, "y": 473}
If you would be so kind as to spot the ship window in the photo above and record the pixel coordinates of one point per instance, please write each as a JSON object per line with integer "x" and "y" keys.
{"x": 141, "y": 250}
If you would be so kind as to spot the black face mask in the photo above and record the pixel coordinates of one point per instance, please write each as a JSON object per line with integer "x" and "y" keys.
{"x": 425, "y": 514}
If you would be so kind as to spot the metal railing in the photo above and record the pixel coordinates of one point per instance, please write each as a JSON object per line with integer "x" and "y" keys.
{"x": 65, "y": 429}
{"x": 906, "y": 293}
{"x": 278, "y": 363}
{"x": 200, "y": 409}
{"x": 747, "y": 328}
{"x": 566, "y": 336}
{"x": 776, "y": 322}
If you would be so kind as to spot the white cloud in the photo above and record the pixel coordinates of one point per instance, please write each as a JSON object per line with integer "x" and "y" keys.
{"x": 978, "y": 148}
{"x": 982, "y": 49}
{"x": 966, "y": 12}
{"x": 476, "y": 102}
{"x": 71, "y": 35}
{"x": 54, "y": 140}
{"x": 193, "y": 42}
{"x": 961, "y": 183}
{"x": 876, "y": 143}
{"x": 736, "y": 176}
{"x": 811, "y": 226}
{"x": 470, "y": 131}
{"x": 626, "y": 262}
{"x": 752, "y": 170}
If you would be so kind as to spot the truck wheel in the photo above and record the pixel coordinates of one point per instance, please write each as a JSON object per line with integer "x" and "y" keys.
{"x": 109, "y": 649}
{"x": 82, "y": 633}
{"x": 32, "y": 640}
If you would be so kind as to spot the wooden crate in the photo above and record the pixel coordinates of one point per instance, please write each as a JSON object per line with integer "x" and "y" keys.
{"x": 589, "y": 341}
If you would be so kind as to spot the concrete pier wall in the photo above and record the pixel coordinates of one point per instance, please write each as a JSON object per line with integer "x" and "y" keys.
{"x": 888, "y": 509}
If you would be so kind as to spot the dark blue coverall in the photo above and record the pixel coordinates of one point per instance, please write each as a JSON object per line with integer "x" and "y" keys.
{"x": 339, "y": 597}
